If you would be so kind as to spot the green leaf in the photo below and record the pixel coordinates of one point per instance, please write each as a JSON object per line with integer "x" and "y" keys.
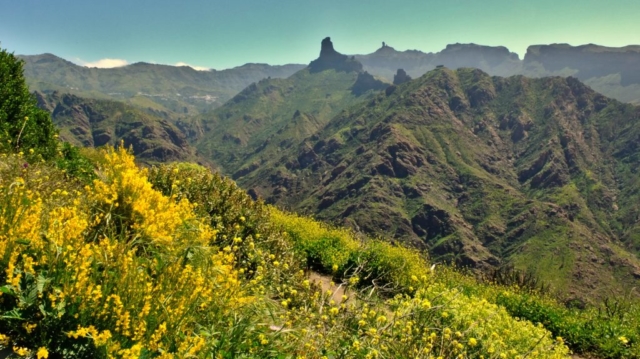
{"x": 41, "y": 282}
{"x": 13, "y": 314}
{"x": 6, "y": 289}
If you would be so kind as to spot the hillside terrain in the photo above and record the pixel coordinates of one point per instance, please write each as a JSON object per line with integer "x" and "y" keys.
{"x": 275, "y": 114}
{"x": 484, "y": 171}
{"x": 96, "y": 123}
{"x": 166, "y": 91}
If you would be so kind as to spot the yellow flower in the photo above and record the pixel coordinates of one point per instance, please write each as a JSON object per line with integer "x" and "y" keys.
{"x": 42, "y": 353}
{"x": 473, "y": 342}
{"x": 20, "y": 351}
{"x": 623, "y": 340}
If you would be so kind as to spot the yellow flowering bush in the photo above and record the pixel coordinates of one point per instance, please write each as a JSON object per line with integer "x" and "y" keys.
{"x": 327, "y": 249}
{"x": 175, "y": 262}
{"x": 116, "y": 266}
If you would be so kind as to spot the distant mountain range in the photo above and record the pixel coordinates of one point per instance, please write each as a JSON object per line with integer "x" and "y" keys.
{"x": 177, "y": 92}
{"x": 166, "y": 91}
{"x": 614, "y": 72}
{"x": 274, "y": 114}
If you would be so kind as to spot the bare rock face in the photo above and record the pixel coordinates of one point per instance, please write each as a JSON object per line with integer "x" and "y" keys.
{"x": 331, "y": 59}
{"x": 401, "y": 77}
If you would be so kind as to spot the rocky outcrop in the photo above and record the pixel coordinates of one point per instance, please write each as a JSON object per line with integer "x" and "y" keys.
{"x": 471, "y": 55}
{"x": 331, "y": 59}
{"x": 401, "y": 77}
{"x": 366, "y": 82}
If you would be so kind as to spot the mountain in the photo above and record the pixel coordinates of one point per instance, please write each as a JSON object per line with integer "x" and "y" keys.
{"x": 94, "y": 123}
{"x": 177, "y": 92}
{"x": 275, "y": 114}
{"x": 168, "y": 91}
{"x": 538, "y": 173}
{"x": 608, "y": 70}
{"x": 485, "y": 171}
{"x": 386, "y": 60}
{"x": 612, "y": 71}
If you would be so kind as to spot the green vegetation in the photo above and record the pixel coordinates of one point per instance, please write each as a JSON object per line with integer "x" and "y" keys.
{"x": 93, "y": 123}
{"x": 117, "y": 268}
{"x": 101, "y": 258}
{"x": 272, "y": 115}
{"x": 215, "y": 273}
{"x": 482, "y": 171}
{"x": 23, "y": 127}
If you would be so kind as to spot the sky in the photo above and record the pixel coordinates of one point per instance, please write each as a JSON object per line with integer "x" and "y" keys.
{"x": 223, "y": 34}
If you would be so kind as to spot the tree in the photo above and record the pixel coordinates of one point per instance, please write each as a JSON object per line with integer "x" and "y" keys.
{"x": 23, "y": 126}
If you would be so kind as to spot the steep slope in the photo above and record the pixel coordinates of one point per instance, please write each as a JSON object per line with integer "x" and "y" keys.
{"x": 95, "y": 123}
{"x": 484, "y": 171}
{"x": 172, "y": 90}
{"x": 274, "y": 114}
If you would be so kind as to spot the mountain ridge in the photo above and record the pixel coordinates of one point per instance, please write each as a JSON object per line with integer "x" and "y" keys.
{"x": 255, "y": 124}
{"x": 178, "y": 91}
{"x": 452, "y": 161}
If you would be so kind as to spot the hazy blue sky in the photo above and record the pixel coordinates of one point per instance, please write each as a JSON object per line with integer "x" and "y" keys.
{"x": 221, "y": 34}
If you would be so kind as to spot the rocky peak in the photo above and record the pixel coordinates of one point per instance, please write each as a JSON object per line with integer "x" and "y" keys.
{"x": 326, "y": 48}
{"x": 331, "y": 59}
{"x": 385, "y": 49}
{"x": 401, "y": 77}
{"x": 468, "y": 55}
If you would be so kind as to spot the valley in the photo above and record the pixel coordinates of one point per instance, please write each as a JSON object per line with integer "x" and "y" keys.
{"x": 482, "y": 171}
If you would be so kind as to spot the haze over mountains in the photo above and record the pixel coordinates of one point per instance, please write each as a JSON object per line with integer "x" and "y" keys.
{"x": 610, "y": 71}
{"x": 486, "y": 171}
{"x": 179, "y": 90}
{"x": 168, "y": 91}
